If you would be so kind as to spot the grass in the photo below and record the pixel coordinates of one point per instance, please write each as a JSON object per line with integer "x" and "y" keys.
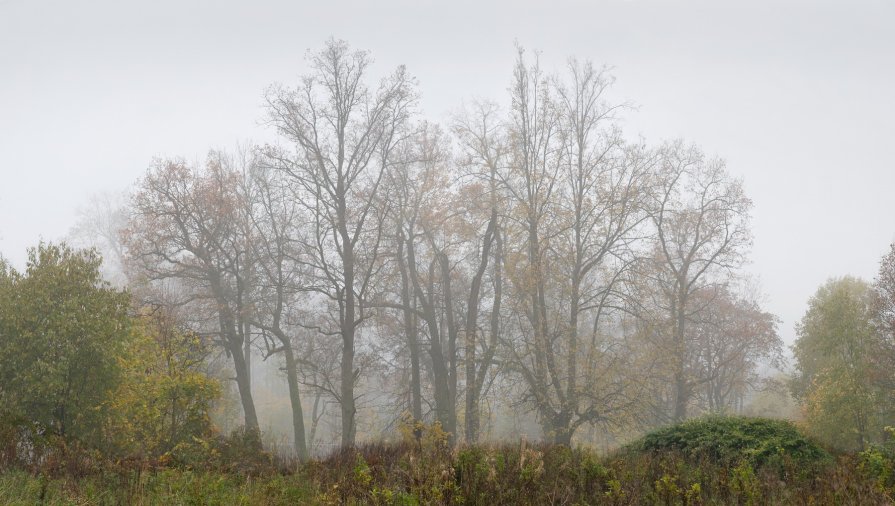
{"x": 712, "y": 461}
{"x": 167, "y": 487}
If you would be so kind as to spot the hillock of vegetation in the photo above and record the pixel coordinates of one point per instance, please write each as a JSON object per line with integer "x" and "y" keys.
{"x": 732, "y": 439}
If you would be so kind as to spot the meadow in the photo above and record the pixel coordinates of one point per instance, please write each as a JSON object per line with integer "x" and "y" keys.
{"x": 704, "y": 461}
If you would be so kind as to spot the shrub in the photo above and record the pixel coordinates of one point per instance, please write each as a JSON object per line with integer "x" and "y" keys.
{"x": 62, "y": 330}
{"x": 878, "y": 461}
{"x": 164, "y": 397}
{"x": 729, "y": 440}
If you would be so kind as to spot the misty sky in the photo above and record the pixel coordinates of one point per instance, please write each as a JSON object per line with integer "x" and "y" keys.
{"x": 797, "y": 96}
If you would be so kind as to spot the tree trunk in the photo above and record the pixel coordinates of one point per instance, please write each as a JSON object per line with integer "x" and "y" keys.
{"x": 681, "y": 388}
{"x": 348, "y": 374}
{"x": 472, "y": 316}
{"x": 347, "y": 389}
{"x": 315, "y": 418}
{"x": 415, "y": 383}
{"x": 448, "y": 295}
{"x": 561, "y": 431}
{"x": 247, "y": 351}
{"x": 443, "y": 402}
{"x": 680, "y": 397}
{"x": 539, "y": 337}
{"x": 410, "y": 332}
{"x": 298, "y": 419}
{"x": 234, "y": 342}
{"x": 482, "y": 373}
{"x": 242, "y": 383}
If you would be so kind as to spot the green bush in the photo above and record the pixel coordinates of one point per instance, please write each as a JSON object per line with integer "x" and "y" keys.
{"x": 730, "y": 440}
{"x": 84, "y": 380}
{"x": 878, "y": 461}
{"x": 62, "y": 332}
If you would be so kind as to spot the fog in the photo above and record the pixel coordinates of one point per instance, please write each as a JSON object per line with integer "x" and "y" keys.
{"x": 795, "y": 96}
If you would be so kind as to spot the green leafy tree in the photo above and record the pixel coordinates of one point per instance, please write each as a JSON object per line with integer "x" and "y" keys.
{"x": 63, "y": 330}
{"x": 6, "y": 331}
{"x": 165, "y": 396}
{"x": 835, "y": 370}
{"x": 884, "y": 321}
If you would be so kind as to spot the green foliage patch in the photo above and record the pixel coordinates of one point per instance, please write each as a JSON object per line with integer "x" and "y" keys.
{"x": 729, "y": 439}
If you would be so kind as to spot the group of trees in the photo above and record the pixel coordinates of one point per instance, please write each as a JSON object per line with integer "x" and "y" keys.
{"x": 845, "y": 353}
{"x": 78, "y": 362}
{"x": 529, "y": 255}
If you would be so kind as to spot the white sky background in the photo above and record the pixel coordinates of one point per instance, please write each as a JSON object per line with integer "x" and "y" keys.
{"x": 798, "y": 96}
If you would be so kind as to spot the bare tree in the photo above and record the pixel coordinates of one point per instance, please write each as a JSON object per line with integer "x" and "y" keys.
{"x": 277, "y": 226}
{"x": 426, "y": 246}
{"x": 485, "y": 145}
{"x": 579, "y": 194}
{"x": 344, "y": 134}
{"x": 701, "y": 216}
{"x": 732, "y": 337}
{"x": 187, "y": 224}
{"x": 530, "y": 180}
{"x": 99, "y": 225}
{"x": 442, "y": 248}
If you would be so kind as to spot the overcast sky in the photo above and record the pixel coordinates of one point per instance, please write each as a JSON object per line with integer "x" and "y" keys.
{"x": 797, "y": 96}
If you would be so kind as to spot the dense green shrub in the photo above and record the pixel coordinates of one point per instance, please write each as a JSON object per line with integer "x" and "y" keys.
{"x": 63, "y": 331}
{"x": 730, "y": 440}
{"x": 84, "y": 378}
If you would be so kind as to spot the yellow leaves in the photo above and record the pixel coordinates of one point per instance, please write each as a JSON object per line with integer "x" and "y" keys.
{"x": 163, "y": 397}
{"x": 431, "y": 437}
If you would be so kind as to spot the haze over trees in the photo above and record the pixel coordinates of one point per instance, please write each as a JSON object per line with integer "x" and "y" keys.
{"x": 527, "y": 257}
{"x": 526, "y": 267}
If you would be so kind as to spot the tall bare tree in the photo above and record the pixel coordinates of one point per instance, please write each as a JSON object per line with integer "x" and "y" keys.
{"x": 344, "y": 135}
{"x": 530, "y": 181}
{"x": 484, "y": 143}
{"x": 579, "y": 194}
{"x": 427, "y": 245}
{"x": 277, "y": 225}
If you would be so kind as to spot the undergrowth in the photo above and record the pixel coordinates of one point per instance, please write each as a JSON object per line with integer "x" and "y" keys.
{"x": 424, "y": 469}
